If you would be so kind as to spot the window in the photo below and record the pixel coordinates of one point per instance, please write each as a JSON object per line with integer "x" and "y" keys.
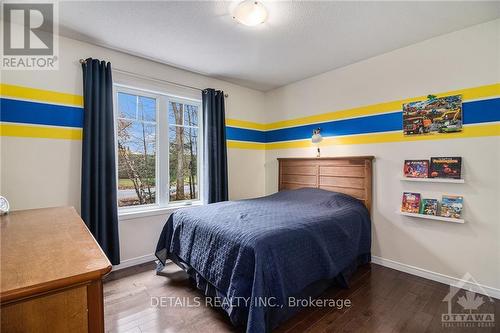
{"x": 158, "y": 149}
{"x": 183, "y": 152}
{"x": 136, "y": 133}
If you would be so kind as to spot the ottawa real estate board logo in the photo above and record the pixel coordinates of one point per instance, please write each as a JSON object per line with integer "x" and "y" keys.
{"x": 469, "y": 306}
{"x": 29, "y": 36}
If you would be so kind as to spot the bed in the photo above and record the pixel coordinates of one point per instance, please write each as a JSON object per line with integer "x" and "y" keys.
{"x": 258, "y": 256}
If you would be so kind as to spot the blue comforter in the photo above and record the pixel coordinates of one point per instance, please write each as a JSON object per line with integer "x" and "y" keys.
{"x": 259, "y": 252}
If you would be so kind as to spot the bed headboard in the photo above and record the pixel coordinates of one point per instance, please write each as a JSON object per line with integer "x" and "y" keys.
{"x": 351, "y": 175}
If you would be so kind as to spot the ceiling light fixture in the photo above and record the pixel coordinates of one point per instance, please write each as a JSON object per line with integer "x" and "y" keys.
{"x": 250, "y": 13}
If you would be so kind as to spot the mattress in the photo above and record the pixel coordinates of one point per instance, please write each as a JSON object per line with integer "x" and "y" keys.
{"x": 258, "y": 253}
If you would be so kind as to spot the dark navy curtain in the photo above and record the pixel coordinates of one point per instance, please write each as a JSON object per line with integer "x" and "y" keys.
{"x": 214, "y": 127}
{"x": 98, "y": 202}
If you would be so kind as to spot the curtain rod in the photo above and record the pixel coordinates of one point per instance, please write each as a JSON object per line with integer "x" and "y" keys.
{"x": 141, "y": 76}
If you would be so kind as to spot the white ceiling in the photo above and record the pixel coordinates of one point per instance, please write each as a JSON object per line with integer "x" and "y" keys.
{"x": 299, "y": 40}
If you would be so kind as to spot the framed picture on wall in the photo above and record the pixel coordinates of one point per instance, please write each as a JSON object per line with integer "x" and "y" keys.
{"x": 434, "y": 115}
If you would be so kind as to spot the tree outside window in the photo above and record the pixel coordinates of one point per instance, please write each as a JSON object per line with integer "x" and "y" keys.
{"x": 146, "y": 177}
{"x": 183, "y": 151}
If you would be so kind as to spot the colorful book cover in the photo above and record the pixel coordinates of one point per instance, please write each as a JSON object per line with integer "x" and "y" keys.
{"x": 446, "y": 167}
{"x": 416, "y": 168}
{"x": 411, "y": 202}
{"x": 429, "y": 207}
{"x": 451, "y": 206}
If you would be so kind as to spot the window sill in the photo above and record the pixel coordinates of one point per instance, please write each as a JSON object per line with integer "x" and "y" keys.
{"x": 136, "y": 213}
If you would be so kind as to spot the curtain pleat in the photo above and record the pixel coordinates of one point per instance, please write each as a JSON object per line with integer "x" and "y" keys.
{"x": 98, "y": 188}
{"x": 216, "y": 181}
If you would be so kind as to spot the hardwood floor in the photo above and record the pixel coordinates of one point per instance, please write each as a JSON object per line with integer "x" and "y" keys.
{"x": 383, "y": 300}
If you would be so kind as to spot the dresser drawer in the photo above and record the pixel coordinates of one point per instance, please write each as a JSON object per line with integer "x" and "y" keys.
{"x": 64, "y": 311}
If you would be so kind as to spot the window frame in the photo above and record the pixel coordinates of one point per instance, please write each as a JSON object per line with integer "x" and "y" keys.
{"x": 162, "y": 172}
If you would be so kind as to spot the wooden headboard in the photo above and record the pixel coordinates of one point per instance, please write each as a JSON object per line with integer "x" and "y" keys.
{"x": 351, "y": 175}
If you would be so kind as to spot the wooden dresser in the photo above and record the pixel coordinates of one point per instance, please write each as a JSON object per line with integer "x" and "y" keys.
{"x": 51, "y": 273}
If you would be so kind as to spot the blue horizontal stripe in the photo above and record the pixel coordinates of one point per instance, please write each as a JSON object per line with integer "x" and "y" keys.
{"x": 25, "y": 112}
{"x": 371, "y": 124}
{"x": 242, "y": 134}
{"x": 474, "y": 112}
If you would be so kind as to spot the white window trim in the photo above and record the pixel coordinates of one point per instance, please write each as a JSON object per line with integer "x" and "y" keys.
{"x": 139, "y": 212}
{"x": 162, "y": 205}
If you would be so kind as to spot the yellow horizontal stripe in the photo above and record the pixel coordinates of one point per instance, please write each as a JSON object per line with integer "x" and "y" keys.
{"x": 29, "y": 131}
{"x": 245, "y": 124}
{"x": 467, "y": 132}
{"x": 39, "y": 95}
{"x": 467, "y": 94}
{"x": 470, "y": 131}
{"x": 245, "y": 145}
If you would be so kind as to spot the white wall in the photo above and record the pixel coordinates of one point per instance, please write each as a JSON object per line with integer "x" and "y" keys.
{"x": 46, "y": 172}
{"x": 463, "y": 59}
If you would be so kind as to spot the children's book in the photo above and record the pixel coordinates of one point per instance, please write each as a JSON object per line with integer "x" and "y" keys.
{"x": 446, "y": 167}
{"x": 429, "y": 207}
{"x": 411, "y": 202}
{"x": 451, "y": 206}
{"x": 416, "y": 168}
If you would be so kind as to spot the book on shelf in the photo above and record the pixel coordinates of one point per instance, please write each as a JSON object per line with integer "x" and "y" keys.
{"x": 411, "y": 202}
{"x": 446, "y": 167}
{"x": 416, "y": 168}
{"x": 451, "y": 206}
{"x": 429, "y": 207}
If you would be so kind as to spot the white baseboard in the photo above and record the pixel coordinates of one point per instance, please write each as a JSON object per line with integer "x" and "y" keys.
{"x": 134, "y": 261}
{"x": 445, "y": 279}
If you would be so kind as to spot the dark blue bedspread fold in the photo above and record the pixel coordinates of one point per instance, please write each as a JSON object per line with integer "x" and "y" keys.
{"x": 267, "y": 249}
